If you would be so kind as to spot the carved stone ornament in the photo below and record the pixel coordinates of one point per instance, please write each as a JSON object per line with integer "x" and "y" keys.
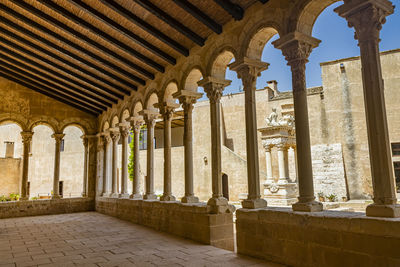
{"x": 214, "y": 91}
{"x": 26, "y": 137}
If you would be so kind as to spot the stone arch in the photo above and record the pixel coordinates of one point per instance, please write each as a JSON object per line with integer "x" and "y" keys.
{"x": 220, "y": 62}
{"x": 106, "y": 126}
{"x": 51, "y": 123}
{"x": 307, "y": 13}
{"x": 114, "y": 121}
{"x": 86, "y": 126}
{"x": 14, "y": 118}
{"x": 125, "y": 114}
{"x": 191, "y": 78}
{"x": 151, "y": 98}
{"x": 169, "y": 90}
{"x": 137, "y": 106}
{"x": 75, "y": 124}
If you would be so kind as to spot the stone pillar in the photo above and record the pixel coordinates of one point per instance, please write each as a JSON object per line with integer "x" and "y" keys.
{"x": 114, "y": 133}
{"x": 367, "y": 18}
{"x": 92, "y": 165}
{"x": 26, "y": 140}
{"x": 248, "y": 70}
{"x": 214, "y": 87}
{"x": 85, "y": 164}
{"x": 283, "y": 163}
{"x": 106, "y": 177}
{"x": 188, "y": 98}
{"x": 56, "y": 180}
{"x": 166, "y": 110}
{"x": 268, "y": 160}
{"x": 296, "y": 47}
{"x": 136, "y": 123}
{"x": 124, "y": 131}
{"x": 150, "y": 119}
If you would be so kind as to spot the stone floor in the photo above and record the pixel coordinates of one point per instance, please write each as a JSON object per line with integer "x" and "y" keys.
{"x": 93, "y": 239}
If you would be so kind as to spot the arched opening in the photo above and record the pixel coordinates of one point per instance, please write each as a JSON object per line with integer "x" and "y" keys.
{"x": 11, "y": 150}
{"x": 41, "y": 163}
{"x": 72, "y": 162}
{"x": 225, "y": 186}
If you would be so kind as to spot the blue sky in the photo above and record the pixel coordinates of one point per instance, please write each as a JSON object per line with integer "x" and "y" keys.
{"x": 337, "y": 42}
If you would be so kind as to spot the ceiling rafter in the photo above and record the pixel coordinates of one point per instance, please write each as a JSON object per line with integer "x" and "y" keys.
{"x": 113, "y": 94}
{"x": 66, "y": 86}
{"x": 48, "y": 92}
{"x": 72, "y": 17}
{"x": 199, "y": 15}
{"x": 119, "y": 28}
{"x": 131, "y": 17}
{"x": 234, "y": 10}
{"x": 48, "y": 52}
{"x": 56, "y": 89}
{"x": 156, "y": 11}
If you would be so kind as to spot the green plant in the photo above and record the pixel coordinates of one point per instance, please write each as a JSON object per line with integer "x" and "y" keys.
{"x": 320, "y": 194}
{"x": 34, "y": 198}
{"x": 13, "y": 197}
{"x": 3, "y": 198}
{"x": 332, "y": 197}
{"x": 131, "y": 161}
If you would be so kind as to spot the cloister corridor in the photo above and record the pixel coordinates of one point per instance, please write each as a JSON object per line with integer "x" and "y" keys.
{"x": 94, "y": 239}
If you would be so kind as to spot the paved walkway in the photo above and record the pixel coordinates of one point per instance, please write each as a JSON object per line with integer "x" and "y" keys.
{"x": 94, "y": 239}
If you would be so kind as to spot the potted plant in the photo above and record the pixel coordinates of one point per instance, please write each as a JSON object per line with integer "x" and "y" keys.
{"x": 332, "y": 197}
{"x": 321, "y": 197}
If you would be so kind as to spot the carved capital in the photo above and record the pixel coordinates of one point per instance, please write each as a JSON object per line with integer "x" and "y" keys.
{"x": 282, "y": 147}
{"x": 137, "y": 125}
{"x": 267, "y": 147}
{"x": 58, "y": 137}
{"x": 188, "y": 107}
{"x": 106, "y": 138}
{"x": 366, "y": 17}
{"x": 26, "y": 137}
{"x": 248, "y": 70}
{"x": 115, "y": 136}
{"x": 150, "y": 121}
{"x": 213, "y": 88}
{"x": 124, "y": 131}
{"x": 85, "y": 140}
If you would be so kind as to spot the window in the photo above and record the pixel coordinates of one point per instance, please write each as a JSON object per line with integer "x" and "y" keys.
{"x": 62, "y": 146}
{"x": 143, "y": 138}
{"x": 396, "y": 166}
{"x": 396, "y": 149}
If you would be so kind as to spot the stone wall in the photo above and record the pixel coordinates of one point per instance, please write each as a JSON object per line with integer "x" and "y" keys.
{"x": 45, "y": 207}
{"x": 318, "y": 239}
{"x": 10, "y": 176}
{"x": 186, "y": 220}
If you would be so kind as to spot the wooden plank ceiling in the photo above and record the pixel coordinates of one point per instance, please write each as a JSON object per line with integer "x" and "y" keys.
{"x": 89, "y": 54}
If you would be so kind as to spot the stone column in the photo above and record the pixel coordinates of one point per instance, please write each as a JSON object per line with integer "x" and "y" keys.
{"x": 214, "y": 87}
{"x": 283, "y": 163}
{"x": 106, "y": 178}
{"x": 150, "y": 119}
{"x": 268, "y": 160}
{"x": 188, "y": 98}
{"x": 248, "y": 70}
{"x": 136, "y": 123}
{"x": 56, "y": 180}
{"x": 26, "y": 140}
{"x": 296, "y": 47}
{"x": 114, "y": 133}
{"x": 92, "y": 165}
{"x": 85, "y": 164}
{"x": 124, "y": 131}
{"x": 367, "y": 18}
{"x": 166, "y": 110}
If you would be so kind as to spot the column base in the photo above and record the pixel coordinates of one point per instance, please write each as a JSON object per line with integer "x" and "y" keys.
{"x": 167, "y": 198}
{"x": 388, "y": 211}
{"x": 190, "y": 199}
{"x": 84, "y": 195}
{"x": 126, "y": 195}
{"x": 150, "y": 196}
{"x": 254, "y": 203}
{"x": 114, "y": 195}
{"x": 24, "y": 198}
{"x": 313, "y": 206}
{"x": 216, "y": 205}
{"x": 136, "y": 196}
{"x": 106, "y": 194}
{"x": 55, "y": 197}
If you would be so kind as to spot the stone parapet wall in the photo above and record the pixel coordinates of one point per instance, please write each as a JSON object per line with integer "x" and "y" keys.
{"x": 45, "y": 207}
{"x": 186, "y": 220}
{"x": 327, "y": 238}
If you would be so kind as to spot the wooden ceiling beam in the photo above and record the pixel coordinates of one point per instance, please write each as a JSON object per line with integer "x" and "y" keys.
{"x": 156, "y": 11}
{"x": 264, "y": 1}
{"x": 67, "y": 87}
{"x": 131, "y": 17}
{"x": 115, "y": 42}
{"x": 123, "y": 31}
{"x": 112, "y": 95}
{"x": 47, "y": 92}
{"x": 6, "y": 52}
{"x": 51, "y": 54}
{"x": 22, "y": 74}
{"x": 199, "y": 15}
{"x": 234, "y": 10}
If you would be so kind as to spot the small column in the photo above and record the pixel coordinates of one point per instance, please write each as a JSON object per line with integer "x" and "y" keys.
{"x": 214, "y": 87}
{"x": 188, "y": 98}
{"x": 106, "y": 178}
{"x": 85, "y": 142}
{"x": 124, "y": 129}
{"x": 367, "y": 18}
{"x": 136, "y": 123}
{"x": 114, "y": 133}
{"x": 248, "y": 70}
{"x": 56, "y": 180}
{"x": 26, "y": 140}
{"x": 296, "y": 47}
{"x": 166, "y": 110}
{"x": 283, "y": 163}
{"x": 150, "y": 119}
{"x": 268, "y": 160}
